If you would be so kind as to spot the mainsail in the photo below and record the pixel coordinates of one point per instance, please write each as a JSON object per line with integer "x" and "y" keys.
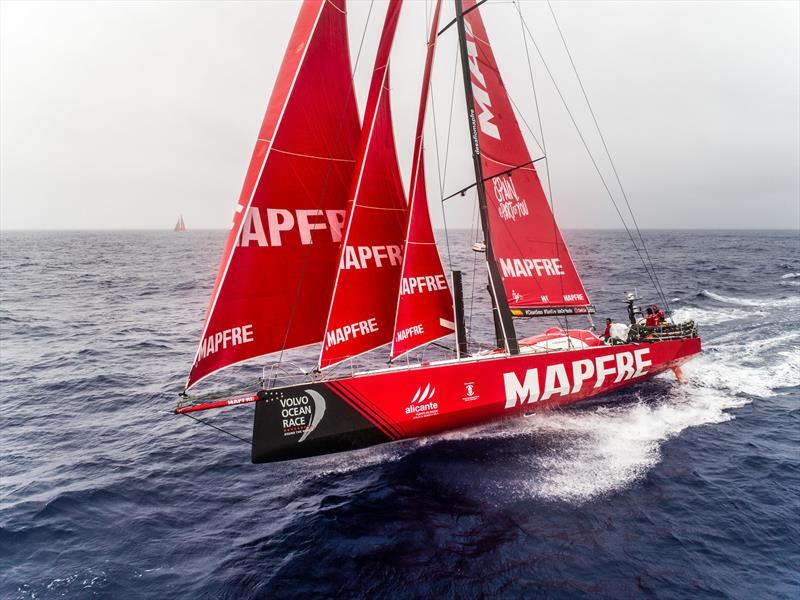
{"x": 363, "y": 305}
{"x": 425, "y": 304}
{"x": 538, "y": 274}
{"x": 279, "y": 262}
{"x": 180, "y": 225}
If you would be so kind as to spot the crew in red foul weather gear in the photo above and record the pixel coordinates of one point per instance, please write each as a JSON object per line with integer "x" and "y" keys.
{"x": 662, "y": 318}
{"x": 652, "y": 319}
{"x": 607, "y": 332}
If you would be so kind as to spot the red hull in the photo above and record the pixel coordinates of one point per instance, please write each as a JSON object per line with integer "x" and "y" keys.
{"x": 355, "y": 412}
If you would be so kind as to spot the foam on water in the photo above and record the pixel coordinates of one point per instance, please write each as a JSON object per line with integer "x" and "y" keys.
{"x": 613, "y": 447}
{"x": 608, "y": 448}
{"x": 793, "y": 301}
{"x": 708, "y": 316}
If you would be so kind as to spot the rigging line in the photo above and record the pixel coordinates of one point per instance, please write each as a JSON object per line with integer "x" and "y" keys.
{"x": 439, "y": 165}
{"x": 201, "y": 421}
{"x": 485, "y": 179}
{"x": 454, "y": 21}
{"x": 306, "y": 260}
{"x": 608, "y": 154}
{"x": 544, "y": 150}
{"x": 450, "y": 121}
{"x": 589, "y": 152}
{"x": 474, "y": 224}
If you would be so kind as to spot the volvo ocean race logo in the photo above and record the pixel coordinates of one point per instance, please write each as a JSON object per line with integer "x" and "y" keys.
{"x": 422, "y": 405}
{"x": 302, "y": 414}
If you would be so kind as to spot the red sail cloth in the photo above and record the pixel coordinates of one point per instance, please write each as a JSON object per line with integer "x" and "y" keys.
{"x": 533, "y": 259}
{"x": 425, "y": 304}
{"x": 365, "y": 295}
{"x": 279, "y": 262}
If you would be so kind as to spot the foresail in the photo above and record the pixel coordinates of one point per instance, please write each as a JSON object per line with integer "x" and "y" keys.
{"x": 425, "y": 304}
{"x": 538, "y": 274}
{"x": 279, "y": 262}
{"x": 365, "y": 295}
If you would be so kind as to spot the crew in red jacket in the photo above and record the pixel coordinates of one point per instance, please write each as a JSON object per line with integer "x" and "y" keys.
{"x": 662, "y": 318}
{"x": 652, "y": 318}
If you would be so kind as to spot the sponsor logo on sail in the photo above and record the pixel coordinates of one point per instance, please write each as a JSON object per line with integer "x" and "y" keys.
{"x": 423, "y": 284}
{"x": 227, "y": 338}
{"x": 509, "y": 205}
{"x": 531, "y": 267}
{"x": 290, "y": 226}
{"x": 479, "y": 88}
{"x": 422, "y": 404}
{"x": 301, "y": 415}
{"x": 562, "y": 379}
{"x": 403, "y": 334}
{"x": 364, "y": 257}
{"x": 350, "y": 331}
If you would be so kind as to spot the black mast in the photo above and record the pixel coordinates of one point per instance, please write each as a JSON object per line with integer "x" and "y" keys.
{"x": 504, "y": 325}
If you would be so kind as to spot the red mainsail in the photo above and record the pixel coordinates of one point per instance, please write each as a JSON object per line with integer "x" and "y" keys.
{"x": 538, "y": 274}
{"x": 365, "y": 295}
{"x": 425, "y": 304}
{"x": 279, "y": 262}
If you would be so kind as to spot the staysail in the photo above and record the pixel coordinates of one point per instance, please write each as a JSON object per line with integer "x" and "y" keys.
{"x": 425, "y": 304}
{"x": 365, "y": 295}
{"x": 279, "y": 262}
{"x": 538, "y": 274}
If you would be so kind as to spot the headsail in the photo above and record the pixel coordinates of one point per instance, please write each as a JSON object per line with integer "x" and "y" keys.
{"x": 364, "y": 298}
{"x": 425, "y": 304}
{"x": 279, "y": 262}
{"x": 538, "y": 274}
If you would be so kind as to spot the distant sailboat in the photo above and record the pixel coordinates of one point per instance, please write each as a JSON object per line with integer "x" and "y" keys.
{"x": 180, "y": 225}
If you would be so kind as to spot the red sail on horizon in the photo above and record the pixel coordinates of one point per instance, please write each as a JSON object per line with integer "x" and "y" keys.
{"x": 425, "y": 304}
{"x": 362, "y": 309}
{"x": 279, "y": 262}
{"x": 537, "y": 271}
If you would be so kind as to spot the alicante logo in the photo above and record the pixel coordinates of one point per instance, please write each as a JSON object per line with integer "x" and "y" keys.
{"x": 422, "y": 405}
{"x": 469, "y": 392}
{"x": 302, "y": 414}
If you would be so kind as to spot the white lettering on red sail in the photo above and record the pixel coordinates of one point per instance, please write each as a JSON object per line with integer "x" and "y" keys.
{"x": 279, "y": 262}
{"x": 370, "y": 257}
{"x": 425, "y": 304}
{"x": 534, "y": 262}
{"x": 294, "y": 226}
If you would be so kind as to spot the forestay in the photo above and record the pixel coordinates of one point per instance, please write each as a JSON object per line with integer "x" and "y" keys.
{"x": 279, "y": 262}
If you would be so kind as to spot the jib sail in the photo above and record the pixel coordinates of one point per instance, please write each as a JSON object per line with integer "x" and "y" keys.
{"x": 538, "y": 274}
{"x": 365, "y": 295}
{"x": 279, "y": 262}
{"x": 425, "y": 304}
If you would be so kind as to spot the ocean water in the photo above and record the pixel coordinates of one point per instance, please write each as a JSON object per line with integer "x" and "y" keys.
{"x": 662, "y": 490}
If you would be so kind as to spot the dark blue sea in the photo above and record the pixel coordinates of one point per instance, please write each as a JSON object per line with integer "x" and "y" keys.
{"x": 659, "y": 491}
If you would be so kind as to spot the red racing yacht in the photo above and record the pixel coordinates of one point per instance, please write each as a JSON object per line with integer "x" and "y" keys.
{"x": 327, "y": 249}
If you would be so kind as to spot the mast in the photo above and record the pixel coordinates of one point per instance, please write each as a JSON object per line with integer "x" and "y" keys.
{"x": 504, "y": 324}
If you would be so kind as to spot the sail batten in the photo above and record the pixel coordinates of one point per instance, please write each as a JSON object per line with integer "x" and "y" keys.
{"x": 533, "y": 261}
{"x": 424, "y": 303}
{"x": 279, "y": 261}
{"x": 361, "y": 311}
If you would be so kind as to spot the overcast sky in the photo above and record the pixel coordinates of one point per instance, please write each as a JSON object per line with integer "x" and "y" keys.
{"x": 126, "y": 114}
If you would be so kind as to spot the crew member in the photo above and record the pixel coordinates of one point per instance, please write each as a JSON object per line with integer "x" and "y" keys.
{"x": 607, "y": 332}
{"x": 652, "y": 318}
{"x": 662, "y": 318}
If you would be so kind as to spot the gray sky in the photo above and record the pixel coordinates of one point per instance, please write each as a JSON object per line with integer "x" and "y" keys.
{"x": 125, "y": 114}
